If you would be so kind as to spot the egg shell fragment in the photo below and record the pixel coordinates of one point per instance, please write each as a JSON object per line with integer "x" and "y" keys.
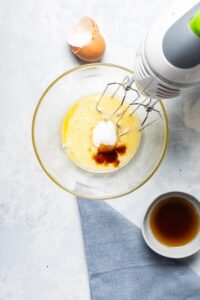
{"x": 85, "y": 40}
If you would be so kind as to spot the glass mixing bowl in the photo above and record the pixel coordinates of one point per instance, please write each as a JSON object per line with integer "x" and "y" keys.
{"x": 46, "y": 136}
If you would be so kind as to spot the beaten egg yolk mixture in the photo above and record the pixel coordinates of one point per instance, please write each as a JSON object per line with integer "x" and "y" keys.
{"x": 77, "y": 133}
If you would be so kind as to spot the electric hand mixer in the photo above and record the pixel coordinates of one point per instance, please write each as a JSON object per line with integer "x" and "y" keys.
{"x": 167, "y": 62}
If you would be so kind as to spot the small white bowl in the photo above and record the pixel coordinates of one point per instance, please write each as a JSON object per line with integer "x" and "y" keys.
{"x": 167, "y": 251}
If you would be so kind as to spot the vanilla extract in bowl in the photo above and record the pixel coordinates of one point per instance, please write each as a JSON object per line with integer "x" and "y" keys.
{"x": 174, "y": 221}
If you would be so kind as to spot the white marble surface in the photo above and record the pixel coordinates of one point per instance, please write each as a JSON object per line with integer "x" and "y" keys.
{"x": 41, "y": 249}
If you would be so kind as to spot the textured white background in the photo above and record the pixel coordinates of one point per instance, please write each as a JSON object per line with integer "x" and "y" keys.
{"x": 41, "y": 250}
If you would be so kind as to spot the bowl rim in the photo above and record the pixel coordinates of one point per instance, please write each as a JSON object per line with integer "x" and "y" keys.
{"x": 37, "y": 154}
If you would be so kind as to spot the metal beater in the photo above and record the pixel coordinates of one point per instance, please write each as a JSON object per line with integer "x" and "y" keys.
{"x": 139, "y": 101}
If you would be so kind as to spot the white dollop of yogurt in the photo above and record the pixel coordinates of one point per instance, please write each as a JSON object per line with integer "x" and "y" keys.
{"x": 104, "y": 133}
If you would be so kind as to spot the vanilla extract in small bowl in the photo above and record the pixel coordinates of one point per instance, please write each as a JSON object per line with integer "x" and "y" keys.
{"x": 174, "y": 221}
{"x": 171, "y": 225}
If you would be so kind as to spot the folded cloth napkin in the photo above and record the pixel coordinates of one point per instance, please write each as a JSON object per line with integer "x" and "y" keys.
{"x": 122, "y": 267}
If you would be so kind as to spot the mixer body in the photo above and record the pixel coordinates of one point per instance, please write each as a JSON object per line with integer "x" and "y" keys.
{"x": 168, "y": 60}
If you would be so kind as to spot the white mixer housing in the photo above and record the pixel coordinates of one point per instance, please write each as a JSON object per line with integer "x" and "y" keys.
{"x": 168, "y": 63}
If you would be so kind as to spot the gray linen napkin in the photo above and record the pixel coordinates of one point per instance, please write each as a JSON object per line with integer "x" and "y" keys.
{"x": 122, "y": 267}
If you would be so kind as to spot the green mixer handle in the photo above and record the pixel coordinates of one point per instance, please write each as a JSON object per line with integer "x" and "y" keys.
{"x": 195, "y": 24}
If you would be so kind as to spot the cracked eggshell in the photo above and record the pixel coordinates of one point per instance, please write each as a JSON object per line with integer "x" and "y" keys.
{"x": 85, "y": 40}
